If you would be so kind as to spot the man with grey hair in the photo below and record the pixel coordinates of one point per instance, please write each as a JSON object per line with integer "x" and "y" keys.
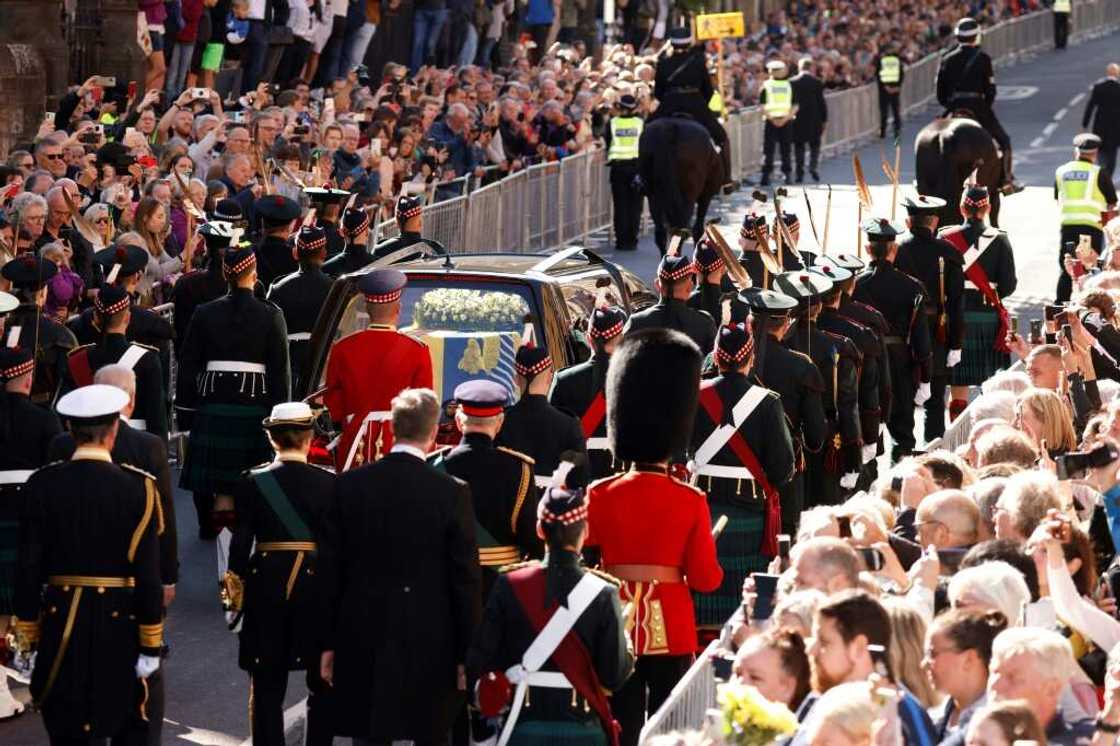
{"x": 58, "y": 227}
{"x": 1027, "y": 498}
{"x": 29, "y": 211}
{"x": 993, "y": 405}
{"x": 947, "y": 519}
{"x": 450, "y": 133}
{"x": 825, "y": 564}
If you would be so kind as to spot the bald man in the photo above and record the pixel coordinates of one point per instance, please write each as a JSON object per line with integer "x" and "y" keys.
{"x": 1103, "y": 110}
{"x": 948, "y": 518}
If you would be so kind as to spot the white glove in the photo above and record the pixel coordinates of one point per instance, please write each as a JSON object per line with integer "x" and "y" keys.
{"x": 848, "y": 481}
{"x": 922, "y": 395}
{"x": 952, "y": 358}
{"x": 146, "y": 665}
{"x": 234, "y": 620}
{"x": 870, "y": 452}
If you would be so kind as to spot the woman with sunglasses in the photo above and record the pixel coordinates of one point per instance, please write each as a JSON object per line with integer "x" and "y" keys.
{"x": 99, "y": 215}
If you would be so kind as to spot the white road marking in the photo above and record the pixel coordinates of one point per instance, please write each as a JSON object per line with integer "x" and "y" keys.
{"x": 1060, "y": 114}
{"x": 1076, "y": 100}
{"x": 1049, "y": 129}
{"x": 1037, "y": 142}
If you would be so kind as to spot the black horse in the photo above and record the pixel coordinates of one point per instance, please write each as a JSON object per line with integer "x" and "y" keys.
{"x": 681, "y": 172}
{"x": 946, "y": 151}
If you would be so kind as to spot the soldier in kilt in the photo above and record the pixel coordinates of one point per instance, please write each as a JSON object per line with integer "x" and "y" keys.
{"x": 989, "y": 278}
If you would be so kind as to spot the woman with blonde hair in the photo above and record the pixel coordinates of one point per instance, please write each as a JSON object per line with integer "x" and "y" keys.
{"x": 908, "y": 636}
{"x": 101, "y": 218}
{"x": 844, "y": 716}
{"x": 1043, "y": 415}
{"x": 1005, "y": 724}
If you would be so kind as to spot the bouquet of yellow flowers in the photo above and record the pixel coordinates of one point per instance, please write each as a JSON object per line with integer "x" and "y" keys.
{"x": 749, "y": 719}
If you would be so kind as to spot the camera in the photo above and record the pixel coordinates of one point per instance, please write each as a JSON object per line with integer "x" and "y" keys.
{"x": 363, "y": 74}
{"x": 1074, "y": 465}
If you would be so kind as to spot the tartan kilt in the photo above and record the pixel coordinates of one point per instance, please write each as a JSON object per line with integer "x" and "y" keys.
{"x": 979, "y": 358}
{"x": 738, "y": 550}
{"x": 226, "y": 440}
{"x": 9, "y": 546}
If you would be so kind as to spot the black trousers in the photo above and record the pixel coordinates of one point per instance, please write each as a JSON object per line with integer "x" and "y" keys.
{"x": 935, "y": 407}
{"x": 645, "y": 691}
{"x": 888, "y": 102}
{"x": 267, "y": 709}
{"x": 901, "y": 423}
{"x": 1061, "y": 30}
{"x": 1106, "y": 157}
{"x": 813, "y": 145}
{"x": 782, "y": 139}
{"x": 627, "y": 204}
{"x": 1070, "y": 235}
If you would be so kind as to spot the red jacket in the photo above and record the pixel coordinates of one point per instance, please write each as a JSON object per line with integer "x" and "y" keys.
{"x": 364, "y": 372}
{"x": 648, "y": 518}
{"x": 192, "y": 11}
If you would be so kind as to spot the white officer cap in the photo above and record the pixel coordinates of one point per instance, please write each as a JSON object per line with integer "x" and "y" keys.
{"x": 290, "y": 413}
{"x": 8, "y": 302}
{"x": 92, "y": 405}
{"x": 775, "y": 66}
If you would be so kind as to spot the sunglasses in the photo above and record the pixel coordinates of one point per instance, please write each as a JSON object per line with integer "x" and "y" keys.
{"x": 102, "y": 221}
{"x": 53, "y": 156}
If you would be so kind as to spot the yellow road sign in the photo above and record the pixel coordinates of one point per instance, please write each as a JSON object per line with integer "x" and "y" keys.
{"x": 719, "y": 25}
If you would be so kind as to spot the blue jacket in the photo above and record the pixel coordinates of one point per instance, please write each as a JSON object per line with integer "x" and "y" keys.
{"x": 459, "y": 154}
{"x": 539, "y": 13}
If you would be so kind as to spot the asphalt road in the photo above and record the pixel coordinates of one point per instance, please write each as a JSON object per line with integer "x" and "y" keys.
{"x": 1041, "y": 108}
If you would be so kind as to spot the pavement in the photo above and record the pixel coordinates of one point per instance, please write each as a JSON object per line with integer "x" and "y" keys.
{"x": 1040, "y": 105}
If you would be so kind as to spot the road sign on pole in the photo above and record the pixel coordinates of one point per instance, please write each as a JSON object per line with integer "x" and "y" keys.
{"x": 719, "y": 25}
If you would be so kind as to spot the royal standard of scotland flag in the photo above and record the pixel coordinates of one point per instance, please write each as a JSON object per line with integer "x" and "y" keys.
{"x": 458, "y": 357}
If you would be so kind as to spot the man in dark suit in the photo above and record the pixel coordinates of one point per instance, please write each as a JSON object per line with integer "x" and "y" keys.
{"x": 812, "y": 117}
{"x": 402, "y": 588}
{"x": 1103, "y": 110}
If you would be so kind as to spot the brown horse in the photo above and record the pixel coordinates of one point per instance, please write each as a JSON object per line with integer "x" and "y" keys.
{"x": 946, "y": 151}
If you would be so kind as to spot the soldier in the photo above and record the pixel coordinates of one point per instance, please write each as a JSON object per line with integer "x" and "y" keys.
{"x": 88, "y": 535}
{"x": 835, "y": 469}
{"x": 300, "y": 295}
{"x": 989, "y": 270}
{"x": 273, "y": 599}
{"x": 1084, "y": 193}
{"x": 741, "y": 469}
{"x": 710, "y": 272}
{"x": 675, "y": 276}
{"x": 359, "y": 401}
{"x": 796, "y": 380}
{"x": 274, "y": 253}
{"x": 621, "y": 135}
{"x": 901, "y": 299}
{"x": 752, "y": 230}
{"x": 778, "y": 100}
{"x": 207, "y": 283}
{"x": 410, "y": 219}
{"x": 355, "y": 230}
{"x": 500, "y": 478}
{"x": 49, "y": 340}
{"x": 792, "y": 258}
{"x": 326, "y": 203}
{"x": 966, "y": 81}
{"x": 562, "y": 694}
{"x": 26, "y": 431}
{"x": 579, "y": 389}
{"x": 233, "y": 369}
{"x": 535, "y": 427}
{"x": 652, "y": 530}
{"x": 940, "y": 269}
{"x": 112, "y": 307}
{"x": 889, "y": 74}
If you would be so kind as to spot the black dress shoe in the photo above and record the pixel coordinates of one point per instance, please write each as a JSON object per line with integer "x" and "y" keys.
{"x": 764, "y": 181}
{"x": 816, "y": 176}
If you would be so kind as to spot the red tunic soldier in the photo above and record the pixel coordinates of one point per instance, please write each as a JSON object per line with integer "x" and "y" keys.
{"x": 357, "y": 398}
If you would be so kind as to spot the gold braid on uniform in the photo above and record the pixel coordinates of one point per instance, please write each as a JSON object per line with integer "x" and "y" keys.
{"x": 232, "y": 591}
{"x": 149, "y": 508}
{"x": 151, "y": 635}
{"x": 26, "y": 634}
{"x": 522, "y": 491}
{"x": 151, "y": 494}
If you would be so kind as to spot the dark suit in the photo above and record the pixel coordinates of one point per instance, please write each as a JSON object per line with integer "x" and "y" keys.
{"x": 403, "y": 598}
{"x": 1103, "y": 110}
{"x": 808, "y": 127}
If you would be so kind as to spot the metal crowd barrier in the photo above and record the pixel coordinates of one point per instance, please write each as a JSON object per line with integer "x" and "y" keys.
{"x": 690, "y": 699}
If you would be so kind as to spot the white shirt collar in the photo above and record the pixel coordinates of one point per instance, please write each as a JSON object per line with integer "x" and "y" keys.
{"x": 410, "y": 450}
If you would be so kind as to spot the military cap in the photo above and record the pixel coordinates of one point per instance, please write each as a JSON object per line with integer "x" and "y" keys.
{"x": 228, "y": 210}
{"x": 751, "y": 224}
{"x": 966, "y": 28}
{"x": 237, "y": 260}
{"x": 408, "y": 206}
{"x": 849, "y": 262}
{"x": 766, "y": 302}
{"x": 321, "y": 196}
{"x": 705, "y": 258}
{"x": 97, "y": 404}
{"x": 627, "y": 102}
{"x": 481, "y": 398}
{"x": 562, "y": 506}
{"x": 775, "y": 66}
{"x": 15, "y": 362}
{"x": 923, "y": 204}
{"x": 830, "y": 269}
{"x": 975, "y": 196}
{"x": 530, "y": 359}
{"x": 219, "y": 234}
{"x": 681, "y": 36}
{"x": 111, "y": 299}
{"x": 290, "y": 414}
{"x": 121, "y": 260}
{"x": 674, "y": 267}
{"x": 803, "y": 284}
{"x": 276, "y": 209}
{"x": 607, "y": 319}
{"x": 382, "y": 285}
{"x": 310, "y": 239}
{"x": 8, "y": 302}
{"x": 880, "y": 230}
{"x": 29, "y": 272}
{"x": 1087, "y": 142}
{"x": 734, "y": 345}
{"x": 789, "y": 218}
{"x": 354, "y": 221}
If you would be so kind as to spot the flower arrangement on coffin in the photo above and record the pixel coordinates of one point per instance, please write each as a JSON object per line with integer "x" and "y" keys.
{"x": 468, "y": 310}
{"x": 746, "y": 718}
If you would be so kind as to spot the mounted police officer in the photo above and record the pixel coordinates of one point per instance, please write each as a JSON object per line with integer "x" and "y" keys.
{"x": 1084, "y": 192}
{"x": 622, "y": 134}
{"x": 779, "y": 107}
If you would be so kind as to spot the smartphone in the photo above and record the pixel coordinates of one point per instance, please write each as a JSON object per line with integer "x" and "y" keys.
{"x": 845, "y": 522}
{"x": 301, "y": 129}
{"x": 199, "y": 93}
{"x": 722, "y": 666}
{"x": 784, "y": 543}
{"x": 1067, "y": 332}
{"x": 1036, "y": 331}
{"x": 872, "y": 558}
{"x": 1050, "y": 338}
{"x": 375, "y": 147}
{"x": 1051, "y": 312}
{"x": 97, "y": 94}
{"x": 89, "y": 138}
{"x": 1013, "y": 324}
{"x": 105, "y": 81}
{"x": 879, "y": 660}
{"x": 766, "y": 586}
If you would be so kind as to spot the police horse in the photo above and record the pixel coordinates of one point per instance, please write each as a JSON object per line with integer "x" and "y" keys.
{"x": 946, "y": 151}
{"x": 681, "y": 171}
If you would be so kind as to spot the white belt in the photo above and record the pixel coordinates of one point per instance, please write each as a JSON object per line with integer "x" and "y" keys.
{"x": 542, "y": 481}
{"x": 546, "y": 679}
{"x": 723, "y": 472}
{"x": 598, "y": 444}
{"x": 15, "y": 476}
{"x": 970, "y": 285}
{"x": 234, "y": 366}
{"x": 300, "y": 337}
{"x": 138, "y": 424}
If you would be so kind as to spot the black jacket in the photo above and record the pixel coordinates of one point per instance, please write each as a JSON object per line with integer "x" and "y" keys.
{"x": 26, "y": 432}
{"x": 812, "y": 109}
{"x": 918, "y": 256}
{"x": 541, "y": 431}
{"x": 192, "y": 290}
{"x": 901, "y": 300}
{"x": 676, "y": 314}
{"x": 274, "y": 259}
{"x": 404, "y": 240}
{"x": 51, "y": 342}
{"x": 800, "y": 388}
{"x": 151, "y": 398}
{"x": 573, "y": 391}
{"x": 351, "y": 259}
{"x": 709, "y": 299}
{"x": 965, "y": 70}
{"x": 1103, "y": 110}
{"x": 871, "y": 356}
{"x": 299, "y": 296}
{"x": 874, "y": 322}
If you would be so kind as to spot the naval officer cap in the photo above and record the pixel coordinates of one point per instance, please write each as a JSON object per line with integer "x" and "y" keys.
{"x": 481, "y": 398}
{"x": 1087, "y": 142}
{"x": 766, "y": 302}
{"x": 97, "y": 404}
{"x": 775, "y": 66}
{"x": 276, "y": 209}
{"x": 15, "y": 362}
{"x": 290, "y": 414}
{"x": 325, "y": 196}
{"x": 967, "y": 28}
{"x": 681, "y": 36}
{"x": 125, "y": 259}
{"x": 8, "y": 303}
{"x": 29, "y": 272}
{"x": 831, "y": 270}
{"x": 803, "y": 284}
{"x": 923, "y": 204}
{"x": 881, "y": 230}
{"x": 382, "y": 286}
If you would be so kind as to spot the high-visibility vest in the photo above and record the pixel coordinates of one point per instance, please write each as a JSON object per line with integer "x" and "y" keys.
{"x": 715, "y": 103}
{"x": 1062, "y": 6}
{"x": 1080, "y": 200}
{"x": 625, "y": 132}
{"x": 890, "y": 69}
{"x": 779, "y": 98}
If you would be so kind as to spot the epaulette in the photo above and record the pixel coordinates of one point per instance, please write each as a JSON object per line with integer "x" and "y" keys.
{"x": 616, "y": 582}
{"x": 137, "y": 470}
{"x": 78, "y": 349}
{"x": 279, "y": 282}
{"x": 692, "y": 487}
{"x": 527, "y": 459}
{"x": 519, "y": 566}
{"x": 44, "y": 467}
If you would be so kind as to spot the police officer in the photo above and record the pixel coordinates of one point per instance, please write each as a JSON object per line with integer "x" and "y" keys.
{"x": 233, "y": 369}
{"x": 710, "y": 271}
{"x": 579, "y": 389}
{"x": 779, "y": 107}
{"x": 49, "y": 340}
{"x": 741, "y": 470}
{"x": 99, "y": 568}
{"x": 410, "y": 220}
{"x": 273, "y": 597}
{"x": 300, "y": 295}
{"x": 622, "y": 134}
{"x": 500, "y": 478}
{"x": 274, "y": 252}
{"x": 965, "y": 80}
{"x": 535, "y": 427}
{"x": 940, "y": 269}
{"x": 1062, "y": 10}
{"x": 355, "y": 230}
{"x": 674, "y": 282}
{"x": 889, "y": 75}
{"x": 208, "y": 282}
{"x": 1083, "y": 192}
{"x": 901, "y": 300}
{"x": 326, "y": 203}
{"x": 989, "y": 270}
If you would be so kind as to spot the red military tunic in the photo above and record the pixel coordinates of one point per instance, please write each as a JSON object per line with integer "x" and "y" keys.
{"x": 365, "y": 371}
{"x": 648, "y": 518}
